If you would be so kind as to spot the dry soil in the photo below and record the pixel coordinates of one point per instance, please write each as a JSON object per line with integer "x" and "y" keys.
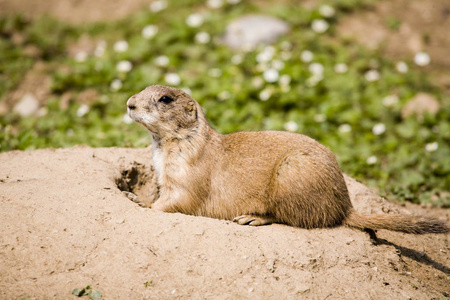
{"x": 65, "y": 224}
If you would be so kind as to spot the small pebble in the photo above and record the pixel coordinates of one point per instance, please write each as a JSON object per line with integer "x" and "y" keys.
{"x": 199, "y": 232}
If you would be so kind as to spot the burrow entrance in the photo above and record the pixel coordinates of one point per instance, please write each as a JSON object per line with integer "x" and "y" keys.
{"x": 138, "y": 183}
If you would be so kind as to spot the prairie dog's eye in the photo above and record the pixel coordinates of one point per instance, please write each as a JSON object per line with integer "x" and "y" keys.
{"x": 165, "y": 99}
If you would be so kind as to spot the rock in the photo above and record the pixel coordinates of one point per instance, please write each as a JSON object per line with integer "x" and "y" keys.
{"x": 303, "y": 288}
{"x": 271, "y": 266}
{"x": 199, "y": 232}
{"x": 27, "y": 106}
{"x": 32, "y": 92}
{"x": 419, "y": 105}
{"x": 248, "y": 32}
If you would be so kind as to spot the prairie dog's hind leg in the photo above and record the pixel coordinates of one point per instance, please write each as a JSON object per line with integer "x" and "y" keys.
{"x": 308, "y": 190}
{"x": 254, "y": 220}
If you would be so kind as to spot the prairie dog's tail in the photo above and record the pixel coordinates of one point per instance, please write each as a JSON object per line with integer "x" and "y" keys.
{"x": 407, "y": 224}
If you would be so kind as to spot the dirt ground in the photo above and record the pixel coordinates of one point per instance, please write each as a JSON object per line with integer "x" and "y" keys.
{"x": 417, "y": 26}
{"x": 66, "y": 224}
{"x": 74, "y": 11}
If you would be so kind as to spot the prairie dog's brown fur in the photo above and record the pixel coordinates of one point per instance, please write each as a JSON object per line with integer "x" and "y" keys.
{"x": 253, "y": 178}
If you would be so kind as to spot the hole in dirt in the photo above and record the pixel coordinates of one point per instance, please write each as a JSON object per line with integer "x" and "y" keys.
{"x": 139, "y": 180}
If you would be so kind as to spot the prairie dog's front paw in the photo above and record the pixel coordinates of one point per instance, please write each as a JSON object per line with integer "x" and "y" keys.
{"x": 135, "y": 199}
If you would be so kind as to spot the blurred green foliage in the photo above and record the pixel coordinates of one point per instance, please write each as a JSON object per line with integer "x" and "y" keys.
{"x": 345, "y": 96}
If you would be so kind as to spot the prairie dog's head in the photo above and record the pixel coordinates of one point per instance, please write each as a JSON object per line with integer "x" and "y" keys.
{"x": 164, "y": 111}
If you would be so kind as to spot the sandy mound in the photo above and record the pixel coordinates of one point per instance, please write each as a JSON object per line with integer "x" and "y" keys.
{"x": 66, "y": 224}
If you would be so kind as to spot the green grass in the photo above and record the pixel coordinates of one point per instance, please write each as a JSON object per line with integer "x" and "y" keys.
{"x": 340, "y": 110}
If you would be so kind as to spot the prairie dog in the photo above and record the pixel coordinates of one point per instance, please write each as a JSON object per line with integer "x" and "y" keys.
{"x": 253, "y": 178}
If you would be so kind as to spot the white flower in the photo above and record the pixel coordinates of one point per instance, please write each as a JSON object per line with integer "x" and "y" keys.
{"x": 379, "y": 129}
{"x": 124, "y": 66}
{"x": 162, "y": 61}
{"x": 157, "y": 6}
{"x": 319, "y": 118}
{"x": 149, "y": 31}
{"x": 266, "y": 55}
{"x": 202, "y": 37}
{"x": 291, "y": 126}
{"x": 126, "y": 119}
{"x": 319, "y": 25}
{"x": 81, "y": 56}
{"x": 42, "y": 112}
{"x": 116, "y": 85}
{"x": 316, "y": 69}
{"x": 340, "y": 68}
{"x": 277, "y": 64}
{"x": 286, "y": 45}
{"x": 270, "y": 49}
{"x": 285, "y": 88}
{"x": 214, "y": 3}
{"x": 326, "y": 11}
{"x": 263, "y": 57}
{"x": 261, "y": 67}
{"x": 431, "y": 147}
{"x": 236, "y": 59}
{"x": 187, "y": 90}
{"x": 371, "y": 160}
{"x": 314, "y": 80}
{"x": 233, "y": 2}
{"x": 390, "y": 100}
{"x": 215, "y": 72}
{"x": 344, "y": 128}
{"x": 224, "y": 95}
{"x": 82, "y": 110}
{"x": 194, "y": 20}
{"x": 306, "y": 56}
{"x": 372, "y": 75}
{"x": 27, "y": 106}
{"x": 285, "y": 55}
{"x": 401, "y": 67}
{"x": 422, "y": 59}
{"x": 121, "y": 46}
{"x": 100, "y": 49}
{"x": 271, "y": 75}
{"x": 285, "y": 80}
{"x": 257, "y": 82}
{"x": 265, "y": 94}
{"x": 172, "y": 78}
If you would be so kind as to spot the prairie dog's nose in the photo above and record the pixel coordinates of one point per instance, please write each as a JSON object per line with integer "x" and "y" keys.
{"x": 131, "y": 103}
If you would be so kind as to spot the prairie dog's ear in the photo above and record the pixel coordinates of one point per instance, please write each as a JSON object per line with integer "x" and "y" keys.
{"x": 190, "y": 106}
{"x": 191, "y": 109}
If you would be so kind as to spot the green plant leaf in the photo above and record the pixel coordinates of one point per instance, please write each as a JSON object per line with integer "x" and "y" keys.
{"x": 95, "y": 294}
{"x": 79, "y": 292}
